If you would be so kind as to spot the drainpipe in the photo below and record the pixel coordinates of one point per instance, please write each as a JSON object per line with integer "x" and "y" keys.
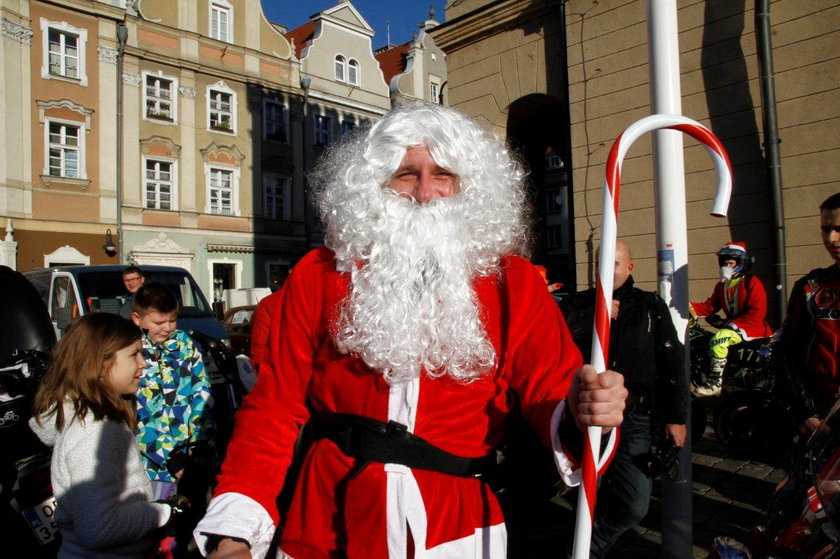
{"x": 122, "y": 37}
{"x": 772, "y": 156}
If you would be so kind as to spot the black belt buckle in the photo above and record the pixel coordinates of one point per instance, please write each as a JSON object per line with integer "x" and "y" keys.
{"x": 396, "y": 429}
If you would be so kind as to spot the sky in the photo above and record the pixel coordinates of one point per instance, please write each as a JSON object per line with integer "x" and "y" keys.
{"x": 404, "y": 15}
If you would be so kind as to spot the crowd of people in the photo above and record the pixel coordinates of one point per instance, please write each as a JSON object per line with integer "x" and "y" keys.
{"x": 402, "y": 344}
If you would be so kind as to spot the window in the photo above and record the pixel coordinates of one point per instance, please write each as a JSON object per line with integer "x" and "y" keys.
{"x": 65, "y": 149}
{"x": 553, "y": 161}
{"x": 353, "y": 72}
{"x": 340, "y": 67}
{"x": 275, "y": 122}
{"x": 434, "y": 90}
{"x": 221, "y": 192}
{"x": 347, "y": 126}
{"x": 221, "y": 21}
{"x": 554, "y": 237}
{"x": 346, "y": 71}
{"x": 221, "y": 108}
{"x": 64, "y": 51}
{"x": 222, "y": 189}
{"x": 159, "y": 97}
{"x": 276, "y": 197}
{"x": 159, "y": 185}
{"x": 322, "y": 129}
{"x": 555, "y": 200}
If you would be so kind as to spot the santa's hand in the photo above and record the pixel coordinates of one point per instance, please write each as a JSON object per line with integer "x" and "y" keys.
{"x": 596, "y": 400}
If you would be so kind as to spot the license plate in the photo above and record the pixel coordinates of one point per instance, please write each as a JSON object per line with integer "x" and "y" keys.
{"x": 41, "y": 519}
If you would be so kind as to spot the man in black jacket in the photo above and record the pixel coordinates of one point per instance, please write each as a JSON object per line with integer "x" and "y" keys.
{"x": 644, "y": 347}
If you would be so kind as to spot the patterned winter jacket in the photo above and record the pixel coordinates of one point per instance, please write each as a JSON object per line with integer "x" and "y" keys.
{"x": 173, "y": 401}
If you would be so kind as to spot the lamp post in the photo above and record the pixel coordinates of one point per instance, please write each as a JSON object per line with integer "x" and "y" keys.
{"x": 305, "y": 83}
{"x": 122, "y": 37}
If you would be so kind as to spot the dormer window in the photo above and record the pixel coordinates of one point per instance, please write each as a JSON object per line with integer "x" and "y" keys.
{"x": 353, "y": 72}
{"x": 340, "y": 67}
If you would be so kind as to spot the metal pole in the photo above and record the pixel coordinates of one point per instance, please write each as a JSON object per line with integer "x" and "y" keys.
{"x": 772, "y": 155}
{"x": 672, "y": 243}
{"x": 122, "y": 37}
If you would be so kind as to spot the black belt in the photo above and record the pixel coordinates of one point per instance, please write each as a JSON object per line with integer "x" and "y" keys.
{"x": 368, "y": 440}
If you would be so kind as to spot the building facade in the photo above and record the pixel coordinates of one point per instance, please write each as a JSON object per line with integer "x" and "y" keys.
{"x": 571, "y": 76}
{"x": 186, "y": 160}
{"x": 341, "y": 79}
{"x": 415, "y": 71}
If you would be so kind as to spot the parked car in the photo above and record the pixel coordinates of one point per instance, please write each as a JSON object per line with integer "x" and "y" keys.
{"x": 73, "y": 291}
{"x": 237, "y": 322}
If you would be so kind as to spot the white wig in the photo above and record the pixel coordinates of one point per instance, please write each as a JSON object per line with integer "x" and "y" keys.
{"x": 411, "y": 304}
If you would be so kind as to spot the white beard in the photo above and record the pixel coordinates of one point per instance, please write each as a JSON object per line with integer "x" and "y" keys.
{"x": 411, "y": 306}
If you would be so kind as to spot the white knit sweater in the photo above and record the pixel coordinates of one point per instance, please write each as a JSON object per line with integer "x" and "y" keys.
{"x": 103, "y": 492}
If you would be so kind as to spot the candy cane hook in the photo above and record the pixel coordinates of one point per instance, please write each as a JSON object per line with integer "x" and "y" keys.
{"x": 604, "y": 287}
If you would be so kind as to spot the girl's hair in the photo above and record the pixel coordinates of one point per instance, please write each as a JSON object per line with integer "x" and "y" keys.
{"x": 81, "y": 363}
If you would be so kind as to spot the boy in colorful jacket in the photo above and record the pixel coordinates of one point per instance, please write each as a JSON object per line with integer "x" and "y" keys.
{"x": 174, "y": 400}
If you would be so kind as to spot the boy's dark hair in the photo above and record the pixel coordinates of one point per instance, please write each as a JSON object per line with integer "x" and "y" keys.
{"x": 132, "y": 270}
{"x": 154, "y": 297}
{"x": 831, "y": 203}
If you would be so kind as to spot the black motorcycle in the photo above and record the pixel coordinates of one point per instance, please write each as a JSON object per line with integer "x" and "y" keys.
{"x": 752, "y": 415}
{"x": 226, "y": 386}
{"x": 27, "y": 504}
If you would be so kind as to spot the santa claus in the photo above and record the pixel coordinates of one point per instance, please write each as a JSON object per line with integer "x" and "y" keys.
{"x": 400, "y": 342}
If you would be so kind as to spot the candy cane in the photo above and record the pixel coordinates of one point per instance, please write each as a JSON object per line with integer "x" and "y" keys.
{"x": 604, "y": 289}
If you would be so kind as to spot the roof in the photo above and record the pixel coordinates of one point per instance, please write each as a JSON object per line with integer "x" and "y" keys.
{"x": 392, "y": 61}
{"x": 301, "y": 36}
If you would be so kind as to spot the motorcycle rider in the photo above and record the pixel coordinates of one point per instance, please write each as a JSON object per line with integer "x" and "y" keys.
{"x": 743, "y": 300}
{"x": 810, "y": 338}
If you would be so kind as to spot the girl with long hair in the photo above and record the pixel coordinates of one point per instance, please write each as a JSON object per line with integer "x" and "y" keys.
{"x": 84, "y": 409}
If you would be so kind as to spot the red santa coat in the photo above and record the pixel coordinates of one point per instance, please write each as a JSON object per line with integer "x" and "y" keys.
{"x": 370, "y": 516}
{"x": 744, "y": 303}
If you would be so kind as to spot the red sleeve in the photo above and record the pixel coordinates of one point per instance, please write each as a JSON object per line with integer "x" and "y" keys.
{"x": 540, "y": 357}
{"x": 713, "y": 304}
{"x": 269, "y": 421}
{"x": 266, "y": 311}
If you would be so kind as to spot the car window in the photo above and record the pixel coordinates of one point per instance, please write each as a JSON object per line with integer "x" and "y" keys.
{"x": 105, "y": 291}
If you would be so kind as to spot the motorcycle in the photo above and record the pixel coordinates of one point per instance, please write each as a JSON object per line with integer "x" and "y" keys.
{"x": 752, "y": 415}
{"x": 803, "y": 516}
{"x": 27, "y": 504}
{"x": 226, "y": 386}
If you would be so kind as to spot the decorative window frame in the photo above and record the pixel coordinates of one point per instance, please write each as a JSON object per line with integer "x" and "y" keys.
{"x": 286, "y": 114}
{"x": 173, "y": 194}
{"x": 66, "y": 255}
{"x": 220, "y": 5}
{"x": 238, "y": 267}
{"x": 82, "y": 149}
{"x": 234, "y": 180}
{"x": 222, "y": 87}
{"x": 287, "y": 193}
{"x": 63, "y": 27}
{"x": 173, "y": 118}
{"x": 353, "y": 64}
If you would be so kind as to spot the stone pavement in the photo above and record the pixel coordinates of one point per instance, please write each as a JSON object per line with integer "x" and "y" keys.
{"x": 730, "y": 494}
